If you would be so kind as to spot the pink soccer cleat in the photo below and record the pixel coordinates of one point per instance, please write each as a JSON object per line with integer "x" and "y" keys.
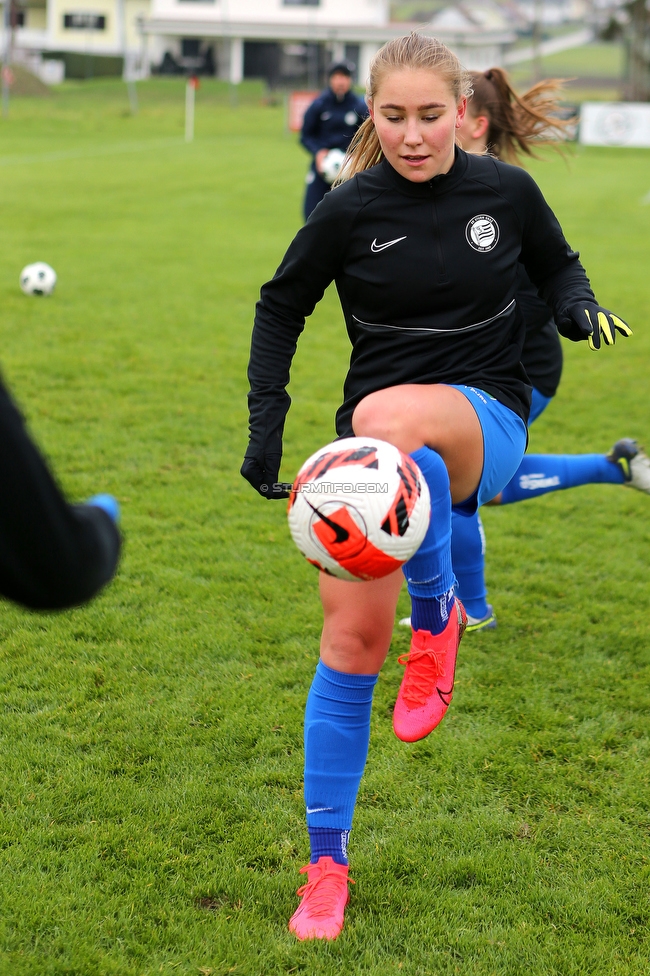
{"x": 324, "y": 897}
{"x": 428, "y": 682}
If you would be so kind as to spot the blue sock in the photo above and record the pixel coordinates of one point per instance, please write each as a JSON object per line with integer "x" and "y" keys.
{"x": 468, "y": 560}
{"x": 429, "y": 575}
{"x": 328, "y": 842}
{"x": 108, "y": 504}
{"x": 337, "y": 732}
{"x": 540, "y": 473}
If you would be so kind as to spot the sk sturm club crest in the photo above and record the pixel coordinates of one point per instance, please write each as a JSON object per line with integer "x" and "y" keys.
{"x": 482, "y": 232}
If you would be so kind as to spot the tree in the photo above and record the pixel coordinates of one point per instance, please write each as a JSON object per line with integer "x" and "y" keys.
{"x": 637, "y": 47}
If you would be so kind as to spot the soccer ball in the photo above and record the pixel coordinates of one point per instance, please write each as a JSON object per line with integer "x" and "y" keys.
{"x": 331, "y": 165}
{"x": 38, "y": 279}
{"x": 359, "y": 508}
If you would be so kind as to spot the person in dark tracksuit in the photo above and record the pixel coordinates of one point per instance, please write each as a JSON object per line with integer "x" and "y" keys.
{"x": 330, "y": 122}
{"x": 53, "y": 555}
{"x": 424, "y": 242}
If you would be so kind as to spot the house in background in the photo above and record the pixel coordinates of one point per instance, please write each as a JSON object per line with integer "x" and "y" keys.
{"x": 84, "y": 37}
{"x": 286, "y": 42}
{"x": 478, "y": 31}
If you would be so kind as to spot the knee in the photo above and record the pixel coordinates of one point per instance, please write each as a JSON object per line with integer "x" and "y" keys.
{"x": 355, "y": 651}
{"x": 352, "y": 643}
{"x": 86, "y": 561}
{"x": 374, "y": 417}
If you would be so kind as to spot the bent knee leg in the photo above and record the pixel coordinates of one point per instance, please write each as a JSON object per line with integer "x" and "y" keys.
{"x": 354, "y": 643}
{"x": 378, "y": 415}
{"x": 354, "y": 649}
{"x": 358, "y": 622}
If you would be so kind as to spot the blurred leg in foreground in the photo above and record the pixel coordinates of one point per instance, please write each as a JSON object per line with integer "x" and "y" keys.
{"x": 53, "y": 555}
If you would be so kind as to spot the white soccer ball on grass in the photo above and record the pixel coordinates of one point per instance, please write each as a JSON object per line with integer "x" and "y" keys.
{"x": 38, "y": 279}
{"x": 359, "y": 508}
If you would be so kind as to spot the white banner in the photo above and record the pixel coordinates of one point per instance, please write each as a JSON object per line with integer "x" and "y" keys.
{"x": 615, "y": 124}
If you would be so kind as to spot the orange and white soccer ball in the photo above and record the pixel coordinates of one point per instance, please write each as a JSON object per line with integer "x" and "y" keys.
{"x": 359, "y": 508}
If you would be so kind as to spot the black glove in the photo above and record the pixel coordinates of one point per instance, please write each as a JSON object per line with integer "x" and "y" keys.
{"x": 263, "y": 455}
{"x": 587, "y": 320}
{"x": 262, "y": 474}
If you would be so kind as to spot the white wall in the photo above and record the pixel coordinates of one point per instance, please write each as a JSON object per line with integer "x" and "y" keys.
{"x": 108, "y": 41}
{"x": 338, "y": 13}
{"x": 91, "y": 41}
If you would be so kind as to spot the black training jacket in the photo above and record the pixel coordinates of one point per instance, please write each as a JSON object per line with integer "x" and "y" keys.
{"x": 427, "y": 275}
{"x": 541, "y": 356}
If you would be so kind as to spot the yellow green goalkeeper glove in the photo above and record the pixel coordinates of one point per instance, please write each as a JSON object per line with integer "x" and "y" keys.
{"x": 586, "y": 320}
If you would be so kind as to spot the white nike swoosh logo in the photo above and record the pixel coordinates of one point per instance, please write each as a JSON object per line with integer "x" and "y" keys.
{"x": 382, "y": 247}
{"x": 319, "y": 809}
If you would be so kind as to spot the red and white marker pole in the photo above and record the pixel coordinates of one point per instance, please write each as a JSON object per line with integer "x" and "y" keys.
{"x": 190, "y": 93}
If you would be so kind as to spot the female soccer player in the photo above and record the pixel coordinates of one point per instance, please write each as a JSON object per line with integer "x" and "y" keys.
{"x": 510, "y": 126}
{"x": 424, "y": 243}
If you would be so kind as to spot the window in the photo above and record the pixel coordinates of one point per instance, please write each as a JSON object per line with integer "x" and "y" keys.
{"x": 190, "y": 47}
{"x": 301, "y": 3}
{"x": 79, "y": 21}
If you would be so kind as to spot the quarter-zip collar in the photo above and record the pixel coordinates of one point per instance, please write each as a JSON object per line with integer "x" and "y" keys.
{"x": 439, "y": 184}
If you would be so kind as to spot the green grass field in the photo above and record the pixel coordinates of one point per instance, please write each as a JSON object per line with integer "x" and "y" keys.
{"x": 152, "y": 815}
{"x": 594, "y": 72}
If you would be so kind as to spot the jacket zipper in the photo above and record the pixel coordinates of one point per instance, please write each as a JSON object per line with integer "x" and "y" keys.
{"x": 441, "y": 275}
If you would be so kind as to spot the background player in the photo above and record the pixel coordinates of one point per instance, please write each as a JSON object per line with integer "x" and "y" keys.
{"x": 436, "y": 334}
{"x": 52, "y": 555}
{"x": 510, "y": 126}
{"x": 330, "y": 122}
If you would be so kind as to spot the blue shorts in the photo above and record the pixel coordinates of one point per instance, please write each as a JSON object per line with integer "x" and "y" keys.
{"x": 504, "y": 442}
